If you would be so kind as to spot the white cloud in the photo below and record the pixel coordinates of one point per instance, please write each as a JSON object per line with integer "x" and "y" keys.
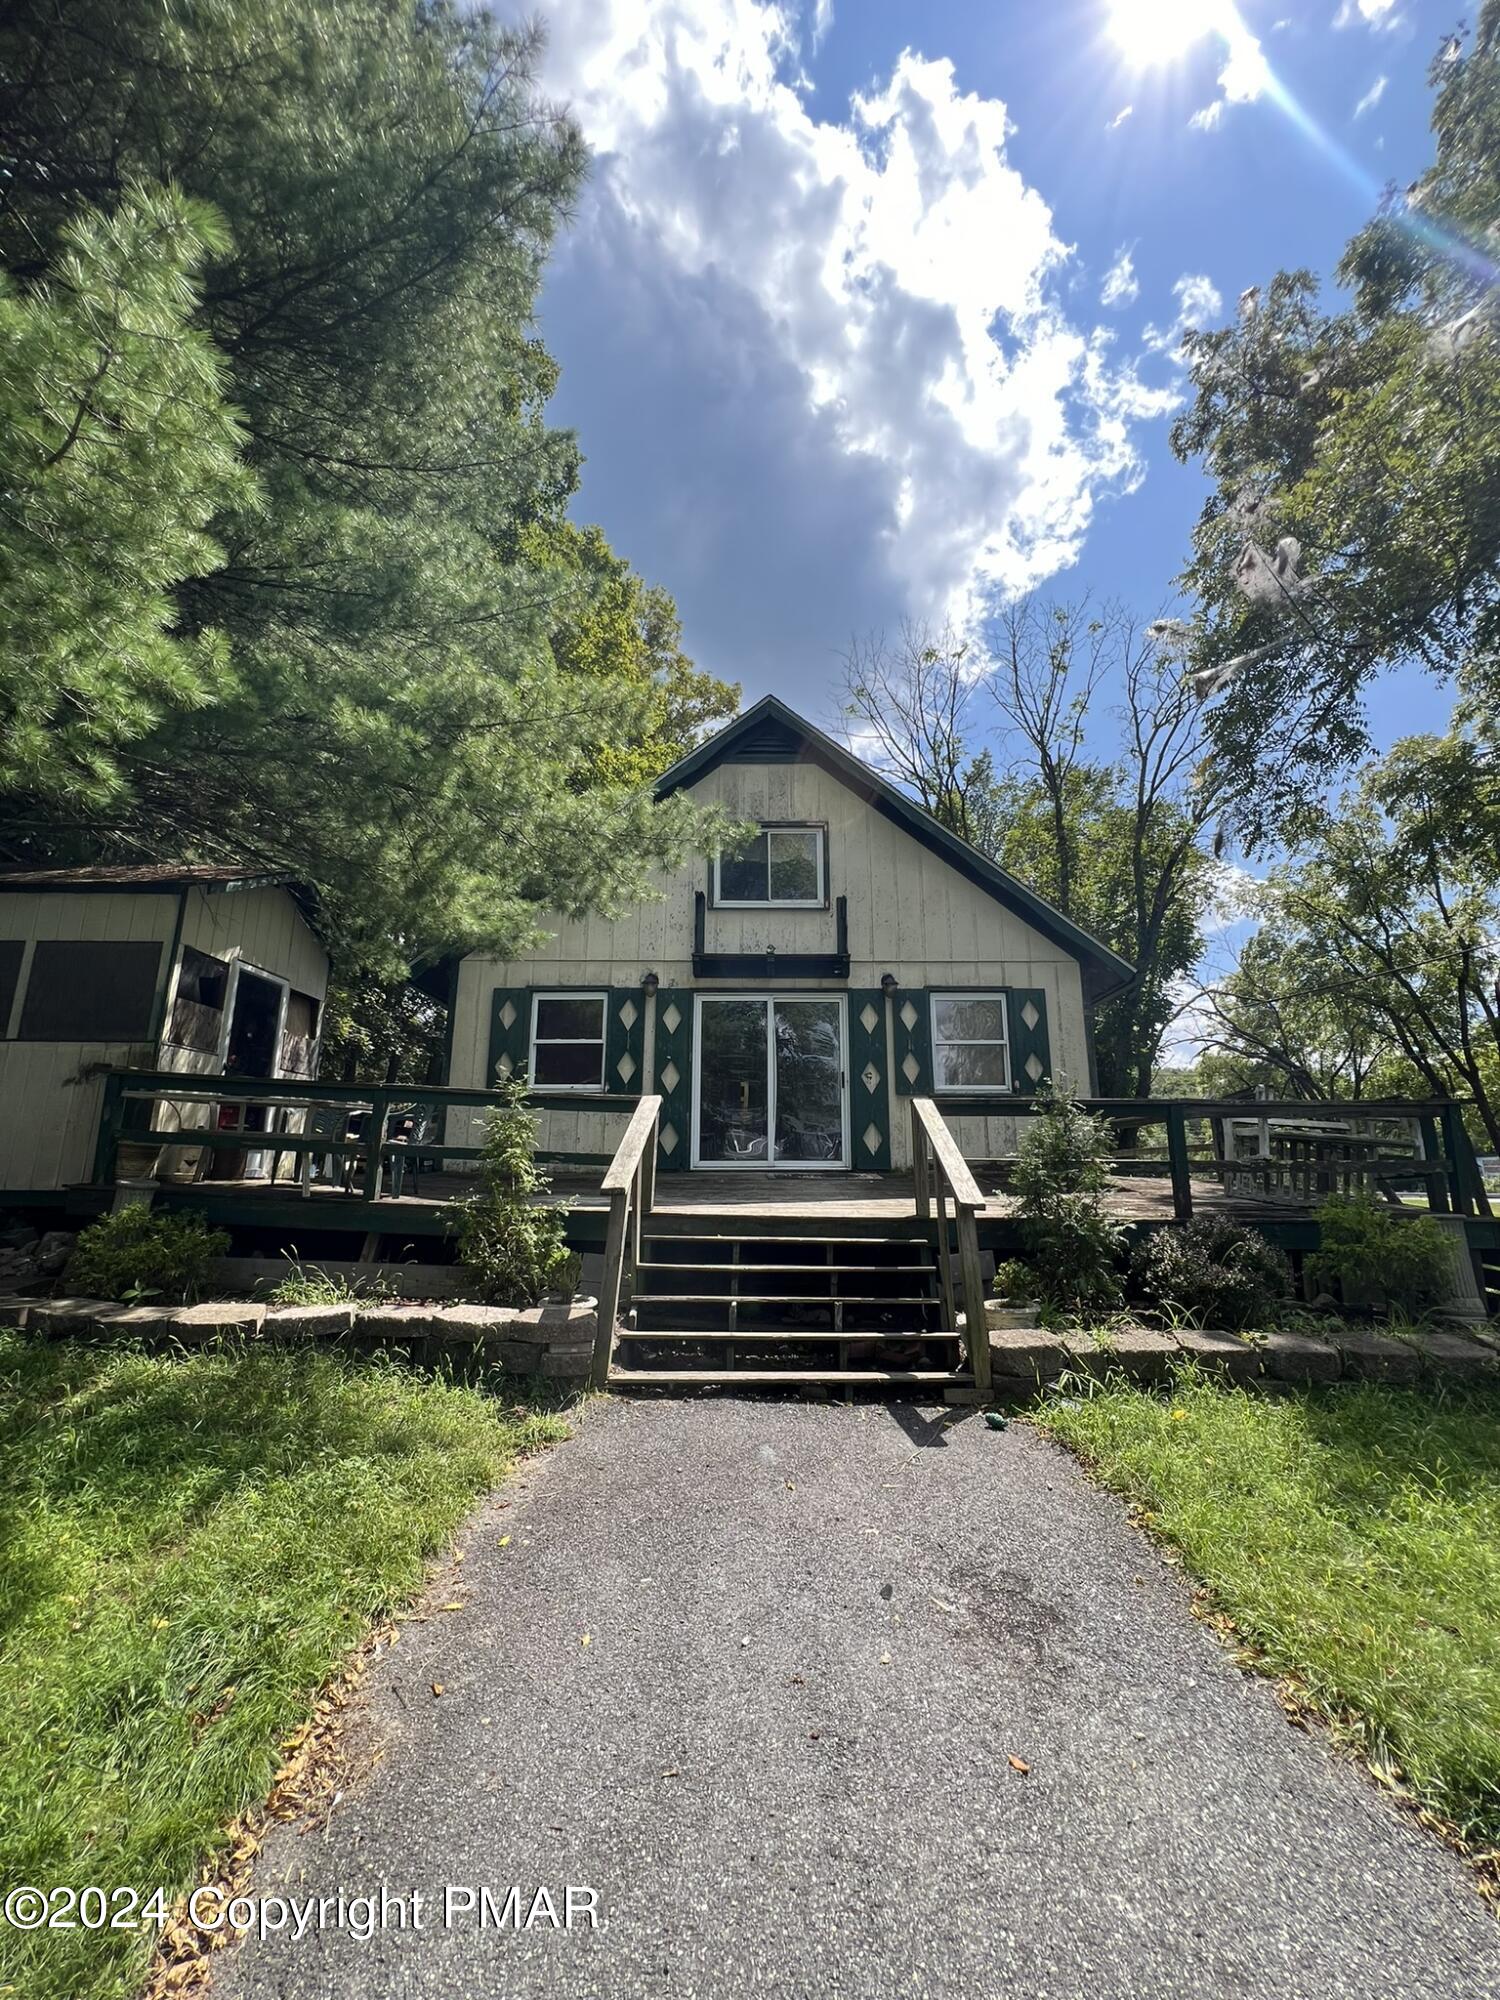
{"x": 1121, "y": 286}
{"x": 1372, "y": 13}
{"x": 1372, "y": 96}
{"x": 895, "y": 260}
{"x": 1125, "y": 111}
{"x": 1245, "y": 76}
{"x": 1199, "y": 304}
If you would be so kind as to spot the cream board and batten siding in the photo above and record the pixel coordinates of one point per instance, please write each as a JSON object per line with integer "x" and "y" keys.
{"x": 50, "y": 1105}
{"x": 910, "y": 913}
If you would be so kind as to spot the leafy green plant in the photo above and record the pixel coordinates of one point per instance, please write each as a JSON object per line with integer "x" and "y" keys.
{"x": 1368, "y": 1246}
{"x": 1073, "y": 1244}
{"x": 1014, "y": 1281}
{"x": 1213, "y": 1272}
{"x": 513, "y": 1242}
{"x": 311, "y": 1285}
{"x": 139, "y": 1253}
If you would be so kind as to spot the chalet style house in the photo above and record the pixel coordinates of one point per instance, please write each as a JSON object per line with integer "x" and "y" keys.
{"x": 787, "y": 999}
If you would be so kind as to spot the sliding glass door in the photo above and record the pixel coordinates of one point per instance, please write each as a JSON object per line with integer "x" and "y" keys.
{"x": 770, "y": 1085}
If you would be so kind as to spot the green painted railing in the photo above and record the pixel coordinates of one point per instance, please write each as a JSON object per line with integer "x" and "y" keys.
{"x": 374, "y": 1147}
{"x": 1308, "y": 1151}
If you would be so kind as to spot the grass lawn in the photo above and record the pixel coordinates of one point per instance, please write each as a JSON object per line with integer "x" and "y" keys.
{"x": 188, "y": 1548}
{"x": 1353, "y": 1536}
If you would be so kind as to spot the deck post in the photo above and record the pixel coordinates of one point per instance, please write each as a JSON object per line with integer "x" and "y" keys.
{"x": 609, "y": 1289}
{"x": 1453, "y": 1156}
{"x": 1432, "y": 1154}
{"x": 111, "y": 1115}
{"x": 648, "y": 1171}
{"x": 1177, "y": 1159}
{"x": 920, "y": 1179}
{"x": 945, "y": 1258}
{"x": 976, "y": 1321}
{"x": 375, "y": 1144}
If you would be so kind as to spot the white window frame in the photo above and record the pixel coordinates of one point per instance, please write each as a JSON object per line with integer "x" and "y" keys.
{"x": 770, "y": 902}
{"x": 1002, "y": 1042}
{"x": 569, "y": 993}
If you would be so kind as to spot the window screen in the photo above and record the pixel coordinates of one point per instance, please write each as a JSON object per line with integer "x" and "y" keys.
{"x": 11, "y": 953}
{"x": 90, "y": 990}
{"x": 969, "y": 1049}
{"x": 198, "y": 1010}
{"x": 567, "y": 1041}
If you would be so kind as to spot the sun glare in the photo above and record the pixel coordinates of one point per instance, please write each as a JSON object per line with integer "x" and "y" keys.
{"x": 1158, "y": 31}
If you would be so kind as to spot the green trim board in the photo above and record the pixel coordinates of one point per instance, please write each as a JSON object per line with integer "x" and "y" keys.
{"x": 1030, "y": 1046}
{"x": 673, "y": 1074}
{"x": 510, "y": 1034}
{"x": 625, "y": 1039}
{"x": 771, "y": 733}
{"x": 869, "y": 1068}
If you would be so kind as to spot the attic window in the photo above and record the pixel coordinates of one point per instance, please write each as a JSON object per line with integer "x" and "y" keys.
{"x": 781, "y": 866}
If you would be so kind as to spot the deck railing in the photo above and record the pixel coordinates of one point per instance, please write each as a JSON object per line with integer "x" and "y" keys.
{"x": 374, "y": 1149}
{"x": 1293, "y": 1150}
{"x": 630, "y": 1183}
{"x": 940, "y": 1176}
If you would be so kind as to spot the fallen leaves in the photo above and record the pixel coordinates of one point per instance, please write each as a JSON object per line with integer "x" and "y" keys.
{"x": 438, "y": 1688}
{"x": 1018, "y": 1764}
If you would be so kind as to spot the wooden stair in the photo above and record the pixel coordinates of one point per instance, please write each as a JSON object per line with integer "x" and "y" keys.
{"x": 772, "y": 1308}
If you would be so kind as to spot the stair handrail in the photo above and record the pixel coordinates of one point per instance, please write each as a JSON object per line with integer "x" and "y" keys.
{"x": 630, "y": 1184}
{"x": 940, "y": 1173}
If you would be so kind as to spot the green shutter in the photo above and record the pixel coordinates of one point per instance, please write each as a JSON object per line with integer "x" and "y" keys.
{"x": 674, "y": 1075}
{"x": 1030, "y": 1050}
{"x": 510, "y": 1033}
{"x": 912, "y": 1053}
{"x": 625, "y": 1040}
{"x": 869, "y": 1078}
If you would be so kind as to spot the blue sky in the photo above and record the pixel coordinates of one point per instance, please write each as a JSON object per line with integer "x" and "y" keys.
{"x": 871, "y": 310}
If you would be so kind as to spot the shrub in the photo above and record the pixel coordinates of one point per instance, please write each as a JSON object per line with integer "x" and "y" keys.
{"x": 1073, "y": 1245}
{"x": 1217, "y": 1273}
{"x": 1368, "y": 1245}
{"x": 515, "y": 1249}
{"x": 1015, "y": 1280}
{"x": 140, "y": 1253}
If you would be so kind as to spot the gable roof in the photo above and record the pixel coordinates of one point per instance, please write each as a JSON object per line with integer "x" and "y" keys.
{"x": 771, "y": 733}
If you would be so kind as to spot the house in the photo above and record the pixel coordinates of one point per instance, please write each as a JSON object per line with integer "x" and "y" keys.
{"x": 789, "y": 994}
{"x": 199, "y": 970}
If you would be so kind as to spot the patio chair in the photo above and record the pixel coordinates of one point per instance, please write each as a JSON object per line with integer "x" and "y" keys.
{"x": 416, "y": 1144}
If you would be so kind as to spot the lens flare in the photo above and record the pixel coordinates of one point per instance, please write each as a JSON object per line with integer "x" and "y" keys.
{"x": 1159, "y": 31}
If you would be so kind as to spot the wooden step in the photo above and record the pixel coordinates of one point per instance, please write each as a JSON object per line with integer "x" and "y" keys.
{"x": 753, "y": 1378}
{"x": 778, "y": 1335}
{"x": 639, "y": 1299}
{"x": 836, "y": 1270}
{"x": 805, "y": 1229}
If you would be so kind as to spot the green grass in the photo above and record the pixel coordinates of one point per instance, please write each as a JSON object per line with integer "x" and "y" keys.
{"x": 188, "y": 1548}
{"x": 1353, "y": 1536}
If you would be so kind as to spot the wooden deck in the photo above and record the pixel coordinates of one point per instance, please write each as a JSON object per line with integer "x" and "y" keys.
{"x": 813, "y": 1200}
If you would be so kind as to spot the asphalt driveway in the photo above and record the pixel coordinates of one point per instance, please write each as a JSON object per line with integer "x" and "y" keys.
{"x": 817, "y": 1638}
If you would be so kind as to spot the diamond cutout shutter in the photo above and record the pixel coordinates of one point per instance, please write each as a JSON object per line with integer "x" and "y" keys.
{"x": 674, "y": 1076}
{"x": 1030, "y": 1050}
{"x": 869, "y": 1072}
{"x": 625, "y": 1040}
{"x": 510, "y": 1033}
{"x": 912, "y": 1053}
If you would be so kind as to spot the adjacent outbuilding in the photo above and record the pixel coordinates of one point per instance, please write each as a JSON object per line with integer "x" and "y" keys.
{"x": 205, "y": 970}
